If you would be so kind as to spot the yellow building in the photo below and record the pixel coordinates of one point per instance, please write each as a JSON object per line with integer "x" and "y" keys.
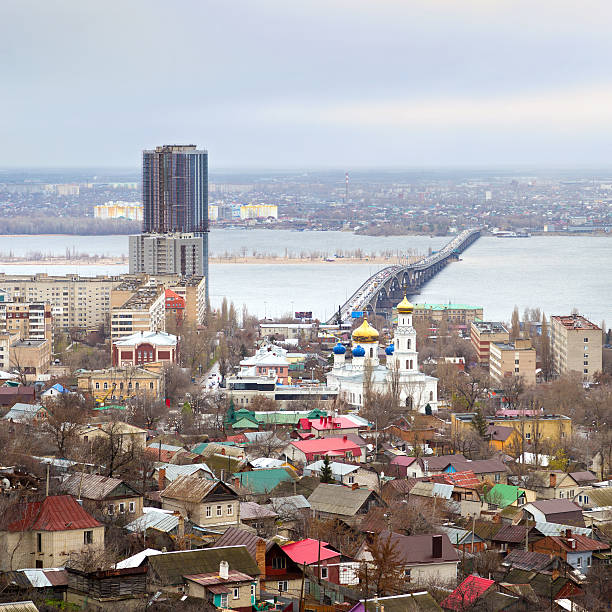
{"x": 31, "y": 358}
{"x": 529, "y": 428}
{"x": 258, "y": 211}
{"x": 516, "y": 358}
{"x": 119, "y": 210}
{"x": 130, "y": 435}
{"x": 118, "y": 384}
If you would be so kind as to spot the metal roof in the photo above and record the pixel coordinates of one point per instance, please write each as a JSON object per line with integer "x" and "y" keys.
{"x": 555, "y": 529}
{"x": 338, "y": 499}
{"x": 174, "y": 471}
{"x": 192, "y": 488}
{"x": 91, "y": 486}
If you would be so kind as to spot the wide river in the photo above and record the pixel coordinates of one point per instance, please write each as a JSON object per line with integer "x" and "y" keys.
{"x": 555, "y": 273}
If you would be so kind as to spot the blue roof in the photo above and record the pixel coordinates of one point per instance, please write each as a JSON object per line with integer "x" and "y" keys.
{"x": 389, "y": 350}
{"x": 359, "y": 351}
{"x": 339, "y": 349}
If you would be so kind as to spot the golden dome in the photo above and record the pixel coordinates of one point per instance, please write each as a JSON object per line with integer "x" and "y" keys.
{"x": 405, "y": 307}
{"x": 365, "y": 333}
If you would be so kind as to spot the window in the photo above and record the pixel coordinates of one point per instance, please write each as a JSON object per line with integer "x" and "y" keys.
{"x": 219, "y": 510}
{"x": 121, "y": 507}
{"x": 279, "y": 563}
{"x": 586, "y": 370}
{"x": 282, "y": 586}
{"x": 351, "y": 479}
{"x": 586, "y": 363}
{"x": 132, "y": 507}
{"x": 497, "y": 477}
{"x": 252, "y": 590}
{"x": 39, "y": 542}
{"x": 223, "y": 600}
{"x": 516, "y": 361}
{"x": 236, "y": 593}
{"x": 580, "y": 498}
{"x": 406, "y": 574}
{"x": 516, "y": 369}
{"x": 579, "y": 562}
{"x": 586, "y": 339}
{"x": 527, "y": 436}
{"x": 324, "y": 573}
{"x": 208, "y": 511}
{"x": 150, "y": 385}
{"x": 586, "y": 499}
{"x": 588, "y": 561}
{"x": 111, "y": 508}
{"x": 230, "y": 509}
{"x": 88, "y": 537}
{"x": 97, "y": 385}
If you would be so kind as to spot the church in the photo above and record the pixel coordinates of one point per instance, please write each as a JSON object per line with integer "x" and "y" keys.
{"x": 417, "y": 391}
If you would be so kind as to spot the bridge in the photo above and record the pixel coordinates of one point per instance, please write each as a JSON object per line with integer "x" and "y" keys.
{"x": 383, "y": 290}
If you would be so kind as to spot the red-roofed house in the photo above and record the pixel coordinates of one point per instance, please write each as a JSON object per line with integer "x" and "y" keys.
{"x": 467, "y": 593}
{"x": 175, "y": 305}
{"x": 403, "y": 466}
{"x": 575, "y": 548}
{"x": 330, "y": 426}
{"x": 307, "y": 451}
{"x": 309, "y": 551}
{"x": 44, "y": 533}
{"x": 466, "y": 479}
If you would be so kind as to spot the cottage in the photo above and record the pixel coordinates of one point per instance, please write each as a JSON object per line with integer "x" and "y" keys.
{"x": 337, "y": 501}
{"x": 562, "y": 511}
{"x": 111, "y": 496}
{"x": 307, "y": 451}
{"x": 44, "y": 533}
{"x": 26, "y": 414}
{"x": 572, "y": 547}
{"x": 423, "y": 557}
{"x": 279, "y": 572}
{"x": 208, "y": 503}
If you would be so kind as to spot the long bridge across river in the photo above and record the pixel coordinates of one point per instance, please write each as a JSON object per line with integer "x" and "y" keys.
{"x": 386, "y": 288}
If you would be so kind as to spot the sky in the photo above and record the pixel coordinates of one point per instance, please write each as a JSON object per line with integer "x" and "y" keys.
{"x": 269, "y": 84}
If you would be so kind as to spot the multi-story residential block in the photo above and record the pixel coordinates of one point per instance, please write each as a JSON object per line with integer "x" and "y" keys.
{"x": 258, "y": 211}
{"x": 482, "y": 333}
{"x": 144, "y": 311}
{"x": 31, "y": 320}
{"x": 119, "y": 210}
{"x": 79, "y": 302}
{"x": 576, "y": 346}
{"x": 458, "y": 316}
{"x": 185, "y": 254}
{"x": 516, "y": 358}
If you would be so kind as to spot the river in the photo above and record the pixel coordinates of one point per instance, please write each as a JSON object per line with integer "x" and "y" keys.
{"x": 555, "y": 273}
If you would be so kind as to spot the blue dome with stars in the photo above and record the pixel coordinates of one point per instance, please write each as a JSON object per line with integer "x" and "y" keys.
{"x": 389, "y": 350}
{"x": 359, "y": 351}
{"x": 339, "y": 349}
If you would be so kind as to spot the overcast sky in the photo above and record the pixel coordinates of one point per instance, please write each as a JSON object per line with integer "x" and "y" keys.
{"x": 307, "y": 83}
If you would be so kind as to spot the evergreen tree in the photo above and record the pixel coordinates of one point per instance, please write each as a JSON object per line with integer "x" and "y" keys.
{"x": 480, "y": 423}
{"x": 326, "y": 471}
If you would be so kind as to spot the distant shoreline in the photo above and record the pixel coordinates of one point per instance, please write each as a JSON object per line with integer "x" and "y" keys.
{"x": 112, "y": 261}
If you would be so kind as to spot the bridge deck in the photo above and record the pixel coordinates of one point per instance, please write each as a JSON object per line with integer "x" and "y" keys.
{"x": 417, "y": 273}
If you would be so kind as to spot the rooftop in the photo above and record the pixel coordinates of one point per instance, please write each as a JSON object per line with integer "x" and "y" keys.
{"x": 309, "y": 551}
{"x": 490, "y": 327}
{"x": 575, "y": 322}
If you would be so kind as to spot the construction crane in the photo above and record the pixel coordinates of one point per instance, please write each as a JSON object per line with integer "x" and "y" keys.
{"x": 101, "y": 400}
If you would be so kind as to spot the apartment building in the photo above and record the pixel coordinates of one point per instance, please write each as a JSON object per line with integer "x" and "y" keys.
{"x": 144, "y": 311}
{"x": 30, "y": 320}
{"x": 190, "y": 289}
{"x": 458, "y": 316}
{"x": 79, "y": 302}
{"x": 576, "y": 346}
{"x": 516, "y": 358}
{"x": 482, "y": 334}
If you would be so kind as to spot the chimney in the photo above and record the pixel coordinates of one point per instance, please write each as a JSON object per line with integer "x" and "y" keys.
{"x": 260, "y": 557}
{"x": 568, "y": 533}
{"x": 572, "y": 543}
{"x": 180, "y": 530}
{"x": 224, "y": 570}
{"x": 553, "y": 480}
{"x": 236, "y": 482}
{"x": 355, "y": 486}
{"x": 344, "y": 438}
{"x": 161, "y": 479}
{"x": 436, "y": 546}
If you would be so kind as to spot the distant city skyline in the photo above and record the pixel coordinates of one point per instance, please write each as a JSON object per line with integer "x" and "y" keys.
{"x": 321, "y": 84}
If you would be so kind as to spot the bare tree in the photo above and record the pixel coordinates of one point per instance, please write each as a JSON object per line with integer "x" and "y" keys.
{"x": 64, "y": 420}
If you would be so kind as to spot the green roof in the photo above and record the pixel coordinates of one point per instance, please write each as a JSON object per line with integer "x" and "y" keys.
{"x": 281, "y": 417}
{"x": 263, "y": 481}
{"x": 245, "y": 423}
{"x": 503, "y": 495}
